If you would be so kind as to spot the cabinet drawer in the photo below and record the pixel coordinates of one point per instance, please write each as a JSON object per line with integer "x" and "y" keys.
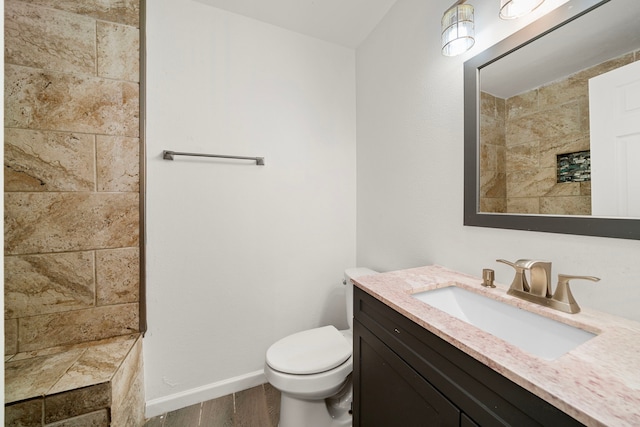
{"x": 485, "y": 396}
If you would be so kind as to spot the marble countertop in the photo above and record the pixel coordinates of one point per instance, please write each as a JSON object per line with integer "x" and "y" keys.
{"x": 597, "y": 383}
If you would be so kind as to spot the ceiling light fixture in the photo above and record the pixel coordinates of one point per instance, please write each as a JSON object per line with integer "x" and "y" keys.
{"x": 512, "y": 9}
{"x": 458, "y": 34}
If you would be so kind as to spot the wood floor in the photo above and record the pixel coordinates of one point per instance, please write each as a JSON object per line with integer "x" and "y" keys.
{"x": 255, "y": 407}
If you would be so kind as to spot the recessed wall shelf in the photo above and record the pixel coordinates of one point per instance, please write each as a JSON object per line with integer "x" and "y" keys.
{"x": 574, "y": 167}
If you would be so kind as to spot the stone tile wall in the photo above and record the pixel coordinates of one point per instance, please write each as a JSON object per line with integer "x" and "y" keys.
{"x": 89, "y": 384}
{"x": 493, "y": 188}
{"x": 71, "y": 171}
{"x": 538, "y": 125}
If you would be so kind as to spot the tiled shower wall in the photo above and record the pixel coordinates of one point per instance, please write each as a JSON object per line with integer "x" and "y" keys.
{"x": 518, "y": 160}
{"x": 493, "y": 183}
{"x": 71, "y": 171}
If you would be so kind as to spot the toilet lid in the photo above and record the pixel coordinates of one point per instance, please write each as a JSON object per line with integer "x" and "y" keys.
{"x": 309, "y": 352}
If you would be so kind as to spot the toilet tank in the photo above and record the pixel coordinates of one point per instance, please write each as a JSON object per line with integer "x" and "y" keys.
{"x": 352, "y": 273}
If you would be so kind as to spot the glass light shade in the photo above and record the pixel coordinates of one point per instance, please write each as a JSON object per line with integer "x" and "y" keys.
{"x": 458, "y": 34}
{"x": 512, "y": 9}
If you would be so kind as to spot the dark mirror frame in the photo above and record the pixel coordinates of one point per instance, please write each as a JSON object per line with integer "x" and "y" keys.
{"x": 623, "y": 228}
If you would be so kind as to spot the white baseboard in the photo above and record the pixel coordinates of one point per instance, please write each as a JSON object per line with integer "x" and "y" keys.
{"x": 203, "y": 393}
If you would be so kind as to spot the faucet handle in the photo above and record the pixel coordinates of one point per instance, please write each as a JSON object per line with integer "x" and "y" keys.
{"x": 563, "y": 292}
{"x": 519, "y": 282}
{"x": 504, "y": 261}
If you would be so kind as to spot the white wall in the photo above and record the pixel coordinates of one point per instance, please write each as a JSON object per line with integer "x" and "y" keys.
{"x": 240, "y": 255}
{"x": 410, "y": 167}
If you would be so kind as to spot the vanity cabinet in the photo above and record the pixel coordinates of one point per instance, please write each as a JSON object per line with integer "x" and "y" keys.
{"x": 403, "y": 375}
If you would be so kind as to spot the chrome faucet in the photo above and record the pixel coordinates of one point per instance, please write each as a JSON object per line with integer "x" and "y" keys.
{"x": 539, "y": 291}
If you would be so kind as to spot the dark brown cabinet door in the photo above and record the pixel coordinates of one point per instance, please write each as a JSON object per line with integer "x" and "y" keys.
{"x": 390, "y": 393}
{"x": 403, "y": 375}
{"x": 467, "y": 422}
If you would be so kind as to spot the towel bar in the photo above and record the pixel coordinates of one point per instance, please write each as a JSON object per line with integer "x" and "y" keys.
{"x": 168, "y": 155}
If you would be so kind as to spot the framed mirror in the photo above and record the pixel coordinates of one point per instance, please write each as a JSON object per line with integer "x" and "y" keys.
{"x": 542, "y": 149}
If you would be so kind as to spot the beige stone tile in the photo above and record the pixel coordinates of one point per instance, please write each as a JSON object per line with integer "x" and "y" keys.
{"x": 78, "y": 326}
{"x": 564, "y": 189}
{"x": 132, "y": 413}
{"x": 118, "y": 163}
{"x": 127, "y": 404}
{"x": 46, "y": 38}
{"x": 48, "y": 161}
{"x": 522, "y": 156}
{"x": 56, "y": 222}
{"x": 498, "y": 205}
{"x": 492, "y": 120}
{"x": 98, "y": 364}
{"x": 501, "y": 108}
{"x": 488, "y": 105}
{"x": 10, "y": 336}
{"x": 24, "y": 414}
{"x": 492, "y": 157}
{"x": 492, "y": 184}
{"x": 122, "y": 11}
{"x": 521, "y": 105}
{"x": 604, "y": 67}
{"x": 523, "y": 205}
{"x": 488, "y": 157}
{"x": 552, "y": 146}
{"x": 39, "y": 284}
{"x": 61, "y": 406}
{"x": 562, "y": 120}
{"x": 501, "y": 159}
{"x": 530, "y": 183}
{"x": 37, "y": 99}
{"x": 561, "y": 92}
{"x": 572, "y": 205}
{"x": 583, "y": 105}
{"x": 546, "y": 178}
{"x": 585, "y": 188}
{"x": 492, "y": 130}
{"x": 33, "y": 377}
{"x": 48, "y": 351}
{"x": 118, "y": 276}
{"x": 118, "y": 51}
{"x": 92, "y": 419}
{"x": 576, "y": 85}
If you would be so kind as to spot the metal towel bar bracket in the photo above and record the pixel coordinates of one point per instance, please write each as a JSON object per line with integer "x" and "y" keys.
{"x": 168, "y": 155}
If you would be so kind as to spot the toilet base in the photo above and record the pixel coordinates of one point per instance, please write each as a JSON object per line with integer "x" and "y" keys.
{"x": 295, "y": 412}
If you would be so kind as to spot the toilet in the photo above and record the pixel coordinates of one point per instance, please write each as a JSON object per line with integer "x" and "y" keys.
{"x": 312, "y": 370}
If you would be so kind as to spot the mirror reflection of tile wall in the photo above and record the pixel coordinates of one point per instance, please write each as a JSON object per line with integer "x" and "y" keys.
{"x": 520, "y": 138}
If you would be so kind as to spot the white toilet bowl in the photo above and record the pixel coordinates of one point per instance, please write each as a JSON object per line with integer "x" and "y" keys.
{"x": 312, "y": 370}
{"x": 319, "y": 364}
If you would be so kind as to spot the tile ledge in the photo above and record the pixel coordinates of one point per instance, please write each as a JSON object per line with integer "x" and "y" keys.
{"x": 54, "y": 351}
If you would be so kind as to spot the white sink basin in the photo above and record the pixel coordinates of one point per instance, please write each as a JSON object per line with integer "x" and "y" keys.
{"x": 535, "y": 334}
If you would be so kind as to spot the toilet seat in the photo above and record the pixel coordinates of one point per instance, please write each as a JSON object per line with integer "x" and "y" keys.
{"x": 309, "y": 352}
